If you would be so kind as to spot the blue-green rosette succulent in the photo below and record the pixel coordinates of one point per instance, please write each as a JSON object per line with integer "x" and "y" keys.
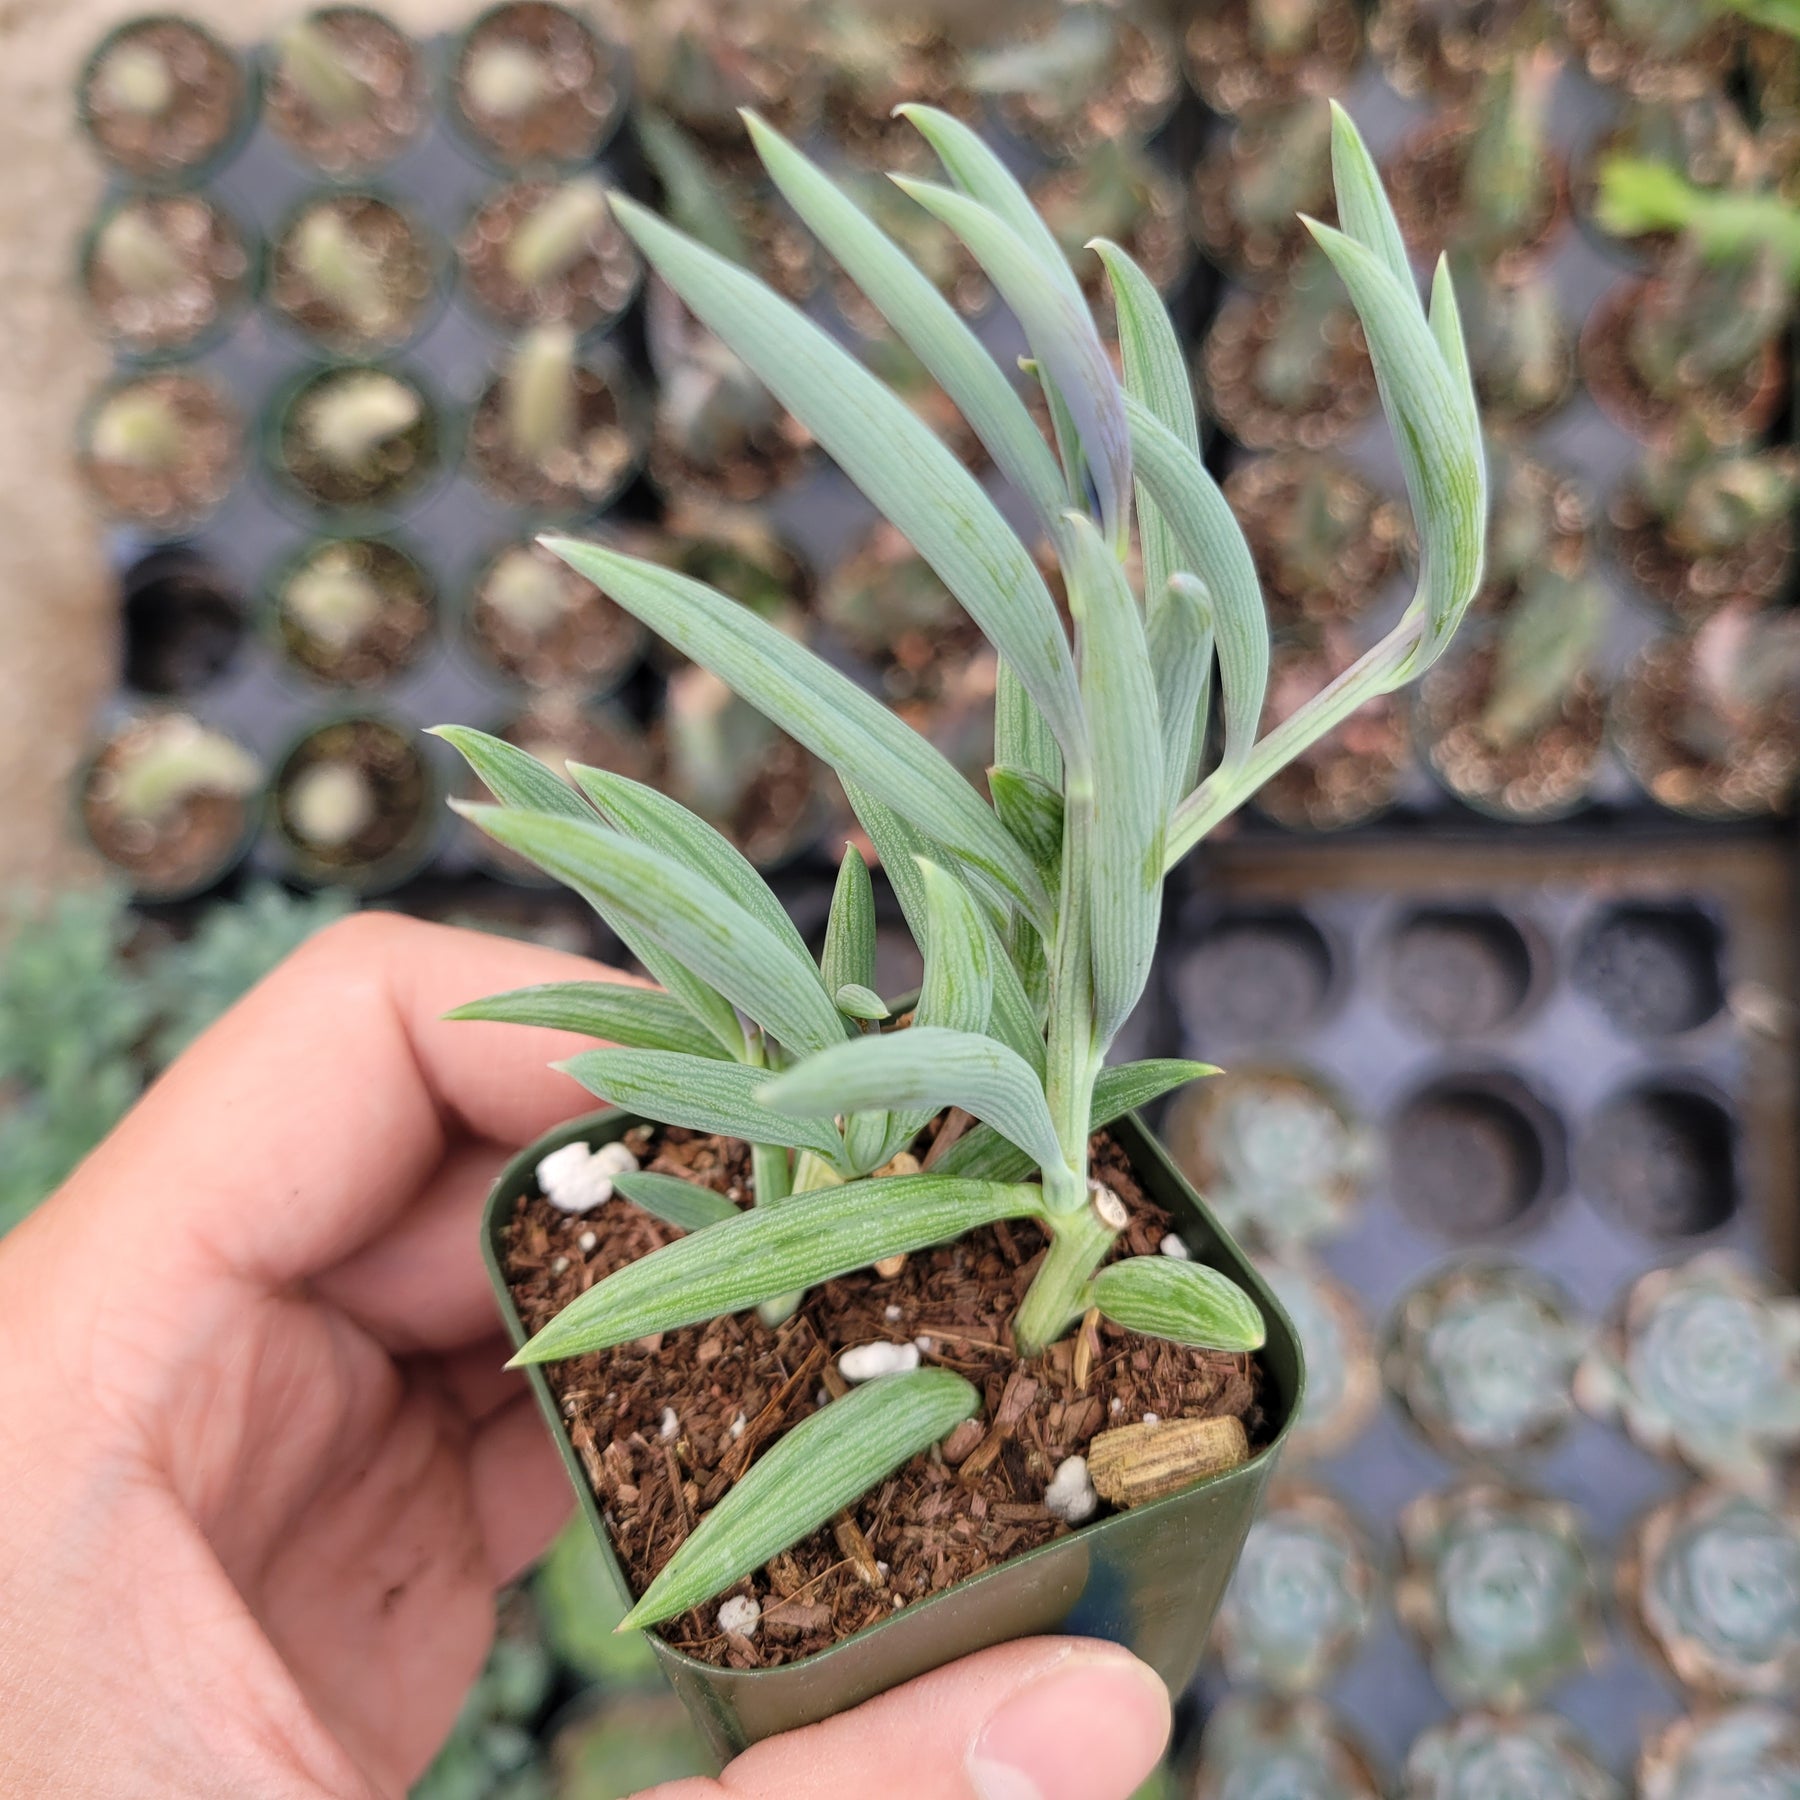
{"x": 1257, "y": 1748}
{"x": 1482, "y": 1756}
{"x": 1702, "y": 1365}
{"x": 1305, "y": 1594}
{"x": 1343, "y": 1384}
{"x": 1498, "y": 1589}
{"x": 1713, "y": 1577}
{"x": 1483, "y": 1357}
{"x": 1738, "y": 1753}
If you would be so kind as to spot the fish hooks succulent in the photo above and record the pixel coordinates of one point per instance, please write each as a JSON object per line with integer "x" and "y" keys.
{"x": 1038, "y": 914}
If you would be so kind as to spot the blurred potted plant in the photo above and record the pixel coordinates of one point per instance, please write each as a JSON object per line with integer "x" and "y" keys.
{"x": 354, "y": 273}
{"x": 1253, "y": 183}
{"x": 1118, "y": 192}
{"x": 1516, "y": 725}
{"x": 163, "y": 273}
{"x": 1248, "y": 56}
{"x": 545, "y": 251}
{"x": 1255, "y": 1744}
{"x": 1444, "y": 50}
{"x": 1654, "y": 49}
{"x": 160, "y": 450}
{"x": 352, "y": 612}
{"x": 1521, "y": 349}
{"x": 532, "y": 618}
{"x": 355, "y": 439}
{"x": 1533, "y": 1753}
{"x": 163, "y": 101}
{"x": 1343, "y": 1385}
{"x": 345, "y": 90}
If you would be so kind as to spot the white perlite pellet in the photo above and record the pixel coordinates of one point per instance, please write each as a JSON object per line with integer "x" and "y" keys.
{"x": 891, "y": 1314}
{"x": 587, "y": 1243}
{"x": 740, "y": 1615}
{"x": 1152, "y": 1418}
{"x": 576, "y": 1179}
{"x": 1070, "y": 1495}
{"x": 1173, "y": 1247}
{"x": 669, "y": 1425}
{"x": 737, "y": 1426}
{"x": 865, "y": 1361}
{"x": 1108, "y": 1207}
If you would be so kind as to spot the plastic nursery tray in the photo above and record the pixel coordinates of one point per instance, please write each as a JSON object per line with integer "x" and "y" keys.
{"x": 1577, "y": 440}
{"x": 1730, "y": 906}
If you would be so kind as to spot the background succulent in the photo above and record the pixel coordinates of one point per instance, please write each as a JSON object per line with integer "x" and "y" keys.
{"x": 1481, "y": 1757}
{"x": 1752, "y": 1752}
{"x": 1265, "y": 1749}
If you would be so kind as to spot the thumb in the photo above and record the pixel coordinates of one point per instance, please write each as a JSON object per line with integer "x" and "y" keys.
{"x": 1048, "y": 1719}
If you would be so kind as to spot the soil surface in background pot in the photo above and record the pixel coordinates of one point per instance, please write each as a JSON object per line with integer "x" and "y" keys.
{"x": 407, "y": 280}
{"x": 392, "y": 639}
{"x": 389, "y": 762}
{"x": 581, "y": 639}
{"x": 384, "y": 64}
{"x": 1339, "y": 396}
{"x": 581, "y": 93}
{"x": 588, "y": 470}
{"x": 165, "y": 494}
{"x": 1236, "y": 72}
{"x": 1426, "y": 181}
{"x": 592, "y": 289}
{"x": 213, "y": 278}
{"x": 207, "y": 98}
{"x": 1694, "y": 586}
{"x": 934, "y": 1522}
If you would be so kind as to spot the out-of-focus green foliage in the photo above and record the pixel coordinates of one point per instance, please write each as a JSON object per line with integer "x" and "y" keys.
{"x": 494, "y": 1751}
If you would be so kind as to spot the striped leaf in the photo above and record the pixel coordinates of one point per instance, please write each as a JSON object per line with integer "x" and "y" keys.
{"x": 901, "y": 850}
{"x": 1185, "y": 1302}
{"x": 1180, "y": 629}
{"x": 857, "y": 1002}
{"x": 849, "y": 956}
{"x": 767, "y": 1252}
{"x": 809, "y": 1474}
{"x": 887, "y": 450}
{"x": 722, "y": 1097}
{"x": 958, "y": 988}
{"x": 1362, "y": 203}
{"x": 666, "y": 825}
{"x": 922, "y": 319}
{"x": 1118, "y": 688}
{"x": 683, "y": 915}
{"x": 1213, "y": 548}
{"x": 520, "y": 780}
{"x": 1063, "y": 339}
{"x": 925, "y": 1068}
{"x": 684, "y": 1204}
{"x": 642, "y": 1018}
{"x": 815, "y": 704}
{"x": 983, "y": 1154}
{"x": 1429, "y": 412}
{"x": 1032, "y": 810}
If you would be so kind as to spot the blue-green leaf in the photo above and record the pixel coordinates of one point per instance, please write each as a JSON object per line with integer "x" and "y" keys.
{"x": 888, "y": 451}
{"x": 684, "y": 1204}
{"x": 664, "y": 824}
{"x": 1032, "y": 810}
{"x": 1362, "y": 203}
{"x": 684, "y": 915}
{"x": 922, "y": 318}
{"x": 817, "y": 705}
{"x": 1185, "y": 1302}
{"x": 855, "y": 1001}
{"x": 925, "y": 1068}
{"x": 959, "y": 973}
{"x": 810, "y": 1473}
{"x": 767, "y": 1252}
{"x": 1063, "y": 339}
{"x": 520, "y": 780}
{"x": 849, "y": 955}
{"x": 644, "y": 1018}
{"x": 1118, "y": 688}
{"x": 722, "y": 1097}
{"x": 1179, "y": 626}
{"x": 1213, "y": 548}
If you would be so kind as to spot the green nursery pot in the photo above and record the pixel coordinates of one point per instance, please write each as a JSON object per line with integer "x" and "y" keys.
{"x": 1150, "y": 1579}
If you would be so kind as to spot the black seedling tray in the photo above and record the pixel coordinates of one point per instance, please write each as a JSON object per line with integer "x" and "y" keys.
{"x": 1322, "y": 925}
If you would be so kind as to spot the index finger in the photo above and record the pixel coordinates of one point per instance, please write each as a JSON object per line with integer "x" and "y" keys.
{"x": 303, "y": 1124}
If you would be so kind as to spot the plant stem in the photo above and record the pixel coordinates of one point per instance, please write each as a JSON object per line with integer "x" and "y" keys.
{"x": 1077, "y": 1243}
{"x": 1071, "y": 1063}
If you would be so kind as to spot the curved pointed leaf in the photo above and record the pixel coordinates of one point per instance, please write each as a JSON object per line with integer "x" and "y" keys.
{"x": 1180, "y": 630}
{"x": 683, "y": 915}
{"x": 921, "y": 317}
{"x": 513, "y": 776}
{"x": 1213, "y": 548}
{"x": 926, "y": 1067}
{"x": 684, "y": 1204}
{"x": 1063, "y": 339}
{"x": 810, "y": 1473}
{"x": 1032, "y": 810}
{"x": 1362, "y": 203}
{"x": 769, "y": 1251}
{"x": 1185, "y": 1302}
{"x": 887, "y": 450}
{"x": 1118, "y": 688}
{"x": 849, "y": 956}
{"x": 664, "y": 824}
{"x": 643, "y": 1018}
{"x": 855, "y": 1001}
{"x": 815, "y": 704}
{"x": 722, "y": 1097}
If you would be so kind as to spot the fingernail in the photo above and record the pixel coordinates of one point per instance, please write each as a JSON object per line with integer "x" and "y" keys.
{"x": 1092, "y": 1729}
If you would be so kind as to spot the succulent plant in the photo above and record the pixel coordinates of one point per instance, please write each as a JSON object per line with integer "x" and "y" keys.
{"x": 1343, "y": 1388}
{"x": 1710, "y": 504}
{"x": 1053, "y": 892}
{"x": 1498, "y": 1590}
{"x": 1745, "y": 665}
{"x": 1252, "y": 185}
{"x": 44, "y": 1134}
{"x": 1713, "y": 1579}
{"x": 1276, "y": 1154}
{"x": 1736, "y": 1753}
{"x": 1702, "y": 1363}
{"x": 1481, "y": 1757}
{"x": 1521, "y": 349}
{"x": 1546, "y": 646}
{"x": 170, "y": 759}
{"x": 1446, "y": 48}
{"x": 1258, "y": 1748}
{"x": 1483, "y": 1355}
{"x": 1640, "y": 196}
{"x": 1304, "y": 1597}
{"x": 1541, "y": 520}
{"x": 1121, "y": 193}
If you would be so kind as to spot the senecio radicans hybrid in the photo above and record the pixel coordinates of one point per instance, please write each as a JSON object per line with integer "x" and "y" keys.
{"x": 1038, "y": 913}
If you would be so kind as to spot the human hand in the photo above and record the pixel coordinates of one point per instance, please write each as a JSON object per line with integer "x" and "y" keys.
{"x": 265, "y": 1470}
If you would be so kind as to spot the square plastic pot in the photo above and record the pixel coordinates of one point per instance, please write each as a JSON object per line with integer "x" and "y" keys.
{"x": 1150, "y": 1578}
